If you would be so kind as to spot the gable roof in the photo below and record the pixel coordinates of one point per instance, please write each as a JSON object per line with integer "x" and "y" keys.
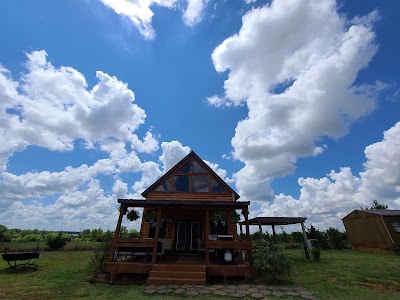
{"x": 380, "y": 212}
{"x": 201, "y": 163}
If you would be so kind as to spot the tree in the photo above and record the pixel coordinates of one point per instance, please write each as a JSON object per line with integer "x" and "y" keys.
{"x": 376, "y": 205}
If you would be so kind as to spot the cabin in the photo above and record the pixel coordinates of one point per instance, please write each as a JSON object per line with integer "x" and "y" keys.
{"x": 375, "y": 230}
{"x": 188, "y": 229}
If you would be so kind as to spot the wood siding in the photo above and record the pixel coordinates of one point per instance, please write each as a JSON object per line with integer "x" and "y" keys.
{"x": 367, "y": 231}
{"x": 189, "y": 196}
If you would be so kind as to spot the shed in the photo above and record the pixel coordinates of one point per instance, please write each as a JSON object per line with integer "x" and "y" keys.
{"x": 375, "y": 230}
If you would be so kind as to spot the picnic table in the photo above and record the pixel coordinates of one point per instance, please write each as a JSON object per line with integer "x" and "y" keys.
{"x": 21, "y": 260}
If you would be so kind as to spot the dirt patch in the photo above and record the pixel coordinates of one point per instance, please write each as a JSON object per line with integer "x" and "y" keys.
{"x": 375, "y": 286}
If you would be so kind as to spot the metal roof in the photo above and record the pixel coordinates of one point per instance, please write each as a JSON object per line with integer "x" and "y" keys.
{"x": 275, "y": 220}
{"x": 381, "y": 212}
{"x": 183, "y": 203}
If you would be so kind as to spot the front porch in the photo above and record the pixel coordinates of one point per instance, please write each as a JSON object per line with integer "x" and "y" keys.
{"x": 169, "y": 268}
{"x": 160, "y": 257}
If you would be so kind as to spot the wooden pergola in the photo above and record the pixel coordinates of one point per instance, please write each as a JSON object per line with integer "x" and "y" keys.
{"x": 273, "y": 221}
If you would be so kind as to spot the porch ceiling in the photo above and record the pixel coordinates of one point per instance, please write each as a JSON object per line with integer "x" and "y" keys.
{"x": 184, "y": 203}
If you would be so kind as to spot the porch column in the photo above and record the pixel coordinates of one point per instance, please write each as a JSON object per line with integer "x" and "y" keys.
{"x": 206, "y": 250}
{"x": 307, "y": 248}
{"x": 274, "y": 233}
{"x": 246, "y": 220}
{"x": 260, "y": 230}
{"x": 122, "y": 212}
{"x": 241, "y": 230}
{"x": 154, "y": 257}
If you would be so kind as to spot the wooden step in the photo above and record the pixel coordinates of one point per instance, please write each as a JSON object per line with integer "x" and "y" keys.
{"x": 180, "y": 281}
{"x": 177, "y": 274}
{"x": 179, "y": 268}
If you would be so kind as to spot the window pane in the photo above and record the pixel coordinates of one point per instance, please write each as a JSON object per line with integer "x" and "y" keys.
{"x": 216, "y": 187}
{"x": 181, "y": 183}
{"x": 200, "y": 184}
{"x": 165, "y": 187}
{"x": 185, "y": 169}
{"x": 197, "y": 168}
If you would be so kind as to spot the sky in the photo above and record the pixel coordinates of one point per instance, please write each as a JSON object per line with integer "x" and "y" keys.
{"x": 294, "y": 103}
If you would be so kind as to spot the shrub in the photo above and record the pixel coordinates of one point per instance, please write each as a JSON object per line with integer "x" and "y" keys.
{"x": 270, "y": 261}
{"x": 56, "y": 241}
{"x": 316, "y": 253}
{"x": 99, "y": 258}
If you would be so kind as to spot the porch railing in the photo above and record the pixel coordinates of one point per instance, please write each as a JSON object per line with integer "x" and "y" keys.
{"x": 234, "y": 245}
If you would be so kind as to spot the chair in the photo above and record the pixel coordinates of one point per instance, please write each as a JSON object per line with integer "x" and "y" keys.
{"x": 200, "y": 246}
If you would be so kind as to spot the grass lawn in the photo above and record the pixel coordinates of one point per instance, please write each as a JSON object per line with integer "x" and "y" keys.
{"x": 339, "y": 275}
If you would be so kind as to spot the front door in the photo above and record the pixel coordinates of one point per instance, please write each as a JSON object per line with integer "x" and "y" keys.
{"x": 187, "y": 233}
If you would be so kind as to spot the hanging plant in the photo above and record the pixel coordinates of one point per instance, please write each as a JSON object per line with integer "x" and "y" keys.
{"x": 148, "y": 215}
{"x": 218, "y": 215}
{"x": 235, "y": 217}
{"x": 132, "y": 215}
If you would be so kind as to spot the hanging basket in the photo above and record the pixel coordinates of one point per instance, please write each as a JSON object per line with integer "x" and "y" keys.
{"x": 132, "y": 215}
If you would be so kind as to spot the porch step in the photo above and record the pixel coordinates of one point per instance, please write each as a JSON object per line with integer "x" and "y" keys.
{"x": 177, "y": 274}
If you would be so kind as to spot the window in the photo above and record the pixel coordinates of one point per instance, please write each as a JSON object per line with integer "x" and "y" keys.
{"x": 191, "y": 178}
{"x": 165, "y": 187}
{"x": 199, "y": 183}
{"x": 181, "y": 183}
{"x": 396, "y": 226}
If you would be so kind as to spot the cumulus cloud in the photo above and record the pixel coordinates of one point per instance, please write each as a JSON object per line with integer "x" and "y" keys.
{"x": 325, "y": 201}
{"x": 53, "y": 108}
{"x": 140, "y": 13}
{"x": 293, "y": 64}
{"x": 193, "y": 13}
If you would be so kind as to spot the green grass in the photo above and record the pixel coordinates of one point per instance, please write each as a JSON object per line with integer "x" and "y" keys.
{"x": 339, "y": 275}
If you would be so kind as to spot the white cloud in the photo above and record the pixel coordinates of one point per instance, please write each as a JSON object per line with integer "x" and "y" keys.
{"x": 194, "y": 12}
{"x": 172, "y": 153}
{"x": 52, "y": 107}
{"x": 294, "y": 64}
{"x": 139, "y": 12}
{"x": 325, "y": 201}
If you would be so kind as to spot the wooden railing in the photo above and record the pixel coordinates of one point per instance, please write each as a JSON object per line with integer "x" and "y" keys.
{"x": 133, "y": 243}
{"x": 221, "y": 244}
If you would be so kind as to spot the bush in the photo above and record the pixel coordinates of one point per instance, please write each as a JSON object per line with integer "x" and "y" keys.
{"x": 269, "y": 260}
{"x": 316, "y": 253}
{"x": 56, "y": 241}
{"x": 99, "y": 259}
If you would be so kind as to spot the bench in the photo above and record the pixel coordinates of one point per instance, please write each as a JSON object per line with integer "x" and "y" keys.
{"x": 27, "y": 259}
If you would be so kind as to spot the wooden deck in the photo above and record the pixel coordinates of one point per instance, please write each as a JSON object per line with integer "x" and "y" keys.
{"x": 179, "y": 269}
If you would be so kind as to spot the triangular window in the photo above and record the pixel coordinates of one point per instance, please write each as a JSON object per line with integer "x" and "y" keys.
{"x": 185, "y": 169}
{"x": 197, "y": 168}
{"x": 192, "y": 177}
{"x": 165, "y": 186}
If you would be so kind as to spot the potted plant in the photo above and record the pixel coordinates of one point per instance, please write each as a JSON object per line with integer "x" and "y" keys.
{"x": 148, "y": 215}
{"x": 218, "y": 215}
{"x": 132, "y": 215}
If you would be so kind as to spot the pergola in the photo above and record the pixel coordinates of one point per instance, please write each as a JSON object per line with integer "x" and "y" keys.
{"x": 273, "y": 221}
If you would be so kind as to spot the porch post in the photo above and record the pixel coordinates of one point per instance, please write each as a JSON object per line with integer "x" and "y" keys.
{"x": 273, "y": 232}
{"x": 122, "y": 211}
{"x": 241, "y": 230}
{"x": 154, "y": 257}
{"x": 307, "y": 248}
{"x": 206, "y": 251}
{"x": 260, "y": 230}
{"x": 246, "y": 219}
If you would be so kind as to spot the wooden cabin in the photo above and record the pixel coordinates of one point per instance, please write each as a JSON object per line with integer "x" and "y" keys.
{"x": 188, "y": 230}
{"x": 375, "y": 230}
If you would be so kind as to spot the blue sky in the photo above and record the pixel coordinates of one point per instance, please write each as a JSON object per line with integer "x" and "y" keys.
{"x": 294, "y": 103}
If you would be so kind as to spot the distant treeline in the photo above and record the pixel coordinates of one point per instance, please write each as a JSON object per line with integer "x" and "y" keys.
{"x": 35, "y": 235}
